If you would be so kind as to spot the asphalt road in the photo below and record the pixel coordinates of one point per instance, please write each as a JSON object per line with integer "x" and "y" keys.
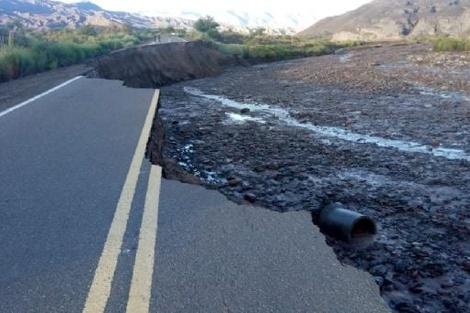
{"x": 63, "y": 162}
{"x": 87, "y": 224}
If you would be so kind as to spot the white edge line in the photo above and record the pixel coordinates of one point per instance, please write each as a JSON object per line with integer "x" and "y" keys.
{"x": 22, "y": 104}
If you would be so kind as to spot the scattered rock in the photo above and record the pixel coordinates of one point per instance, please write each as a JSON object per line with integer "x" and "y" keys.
{"x": 466, "y": 266}
{"x": 234, "y": 182}
{"x": 250, "y": 197}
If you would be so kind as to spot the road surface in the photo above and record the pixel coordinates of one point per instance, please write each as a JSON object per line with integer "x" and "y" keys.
{"x": 87, "y": 224}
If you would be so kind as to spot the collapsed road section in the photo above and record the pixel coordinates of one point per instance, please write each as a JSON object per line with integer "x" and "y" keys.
{"x": 154, "y": 66}
{"x": 375, "y": 132}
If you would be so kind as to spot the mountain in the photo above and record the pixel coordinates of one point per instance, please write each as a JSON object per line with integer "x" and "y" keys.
{"x": 290, "y": 22}
{"x": 396, "y": 19}
{"x": 43, "y": 14}
{"x": 89, "y": 6}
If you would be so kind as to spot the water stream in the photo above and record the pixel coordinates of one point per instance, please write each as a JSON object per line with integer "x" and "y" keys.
{"x": 284, "y": 117}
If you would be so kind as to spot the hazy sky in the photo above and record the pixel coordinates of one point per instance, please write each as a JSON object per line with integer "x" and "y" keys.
{"x": 318, "y": 9}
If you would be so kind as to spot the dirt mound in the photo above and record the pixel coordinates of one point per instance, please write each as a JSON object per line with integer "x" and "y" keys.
{"x": 159, "y": 65}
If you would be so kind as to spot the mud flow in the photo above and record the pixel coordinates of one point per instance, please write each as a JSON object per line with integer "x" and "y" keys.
{"x": 384, "y": 130}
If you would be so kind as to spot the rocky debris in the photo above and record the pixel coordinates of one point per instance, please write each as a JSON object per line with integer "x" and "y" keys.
{"x": 250, "y": 197}
{"x": 420, "y": 258}
{"x": 451, "y": 60}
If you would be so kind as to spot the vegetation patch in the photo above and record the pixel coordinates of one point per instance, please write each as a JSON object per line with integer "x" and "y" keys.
{"x": 259, "y": 46}
{"x": 451, "y": 44}
{"x": 24, "y": 52}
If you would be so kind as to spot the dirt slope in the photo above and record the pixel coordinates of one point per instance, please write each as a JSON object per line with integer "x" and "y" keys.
{"x": 154, "y": 66}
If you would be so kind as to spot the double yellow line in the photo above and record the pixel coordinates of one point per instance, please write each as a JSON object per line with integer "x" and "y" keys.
{"x": 140, "y": 291}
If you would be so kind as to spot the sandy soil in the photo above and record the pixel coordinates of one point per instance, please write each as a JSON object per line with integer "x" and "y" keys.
{"x": 384, "y": 130}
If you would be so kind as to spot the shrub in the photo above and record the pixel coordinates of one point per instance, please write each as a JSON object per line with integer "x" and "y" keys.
{"x": 5, "y": 74}
{"x": 26, "y": 63}
{"x": 41, "y": 51}
{"x": 44, "y": 56}
{"x": 16, "y": 62}
{"x": 130, "y": 40}
{"x": 451, "y": 44}
{"x": 91, "y": 50}
{"x": 231, "y": 37}
{"x": 230, "y": 48}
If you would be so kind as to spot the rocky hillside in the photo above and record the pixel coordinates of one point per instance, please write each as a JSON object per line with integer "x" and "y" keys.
{"x": 396, "y": 19}
{"x": 54, "y": 14}
{"x": 42, "y": 14}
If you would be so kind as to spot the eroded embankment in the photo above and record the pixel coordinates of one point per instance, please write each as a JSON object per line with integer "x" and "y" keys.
{"x": 154, "y": 152}
{"x": 154, "y": 66}
{"x": 159, "y": 65}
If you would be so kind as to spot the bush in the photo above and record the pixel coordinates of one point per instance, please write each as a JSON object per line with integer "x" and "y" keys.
{"x": 130, "y": 40}
{"x": 451, "y": 44}
{"x": 16, "y": 62}
{"x": 44, "y": 56}
{"x": 230, "y": 48}
{"x": 26, "y": 63}
{"x": 41, "y": 51}
{"x": 5, "y": 72}
{"x": 295, "y": 49}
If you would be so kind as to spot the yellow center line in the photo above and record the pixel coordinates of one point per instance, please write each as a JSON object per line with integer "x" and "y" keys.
{"x": 100, "y": 289}
{"x": 141, "y": 285}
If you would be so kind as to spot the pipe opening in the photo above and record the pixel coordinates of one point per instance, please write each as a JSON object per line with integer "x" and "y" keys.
{"x": 363, "y": 233}
{"x": 363, "y": 227}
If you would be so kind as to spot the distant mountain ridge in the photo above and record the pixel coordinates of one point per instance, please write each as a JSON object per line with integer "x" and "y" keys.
{"x": 47, "y": 14}
{"x": 54, "y": 14}
{"x": 396, "y": 19}
{"x": 291, "y": 22}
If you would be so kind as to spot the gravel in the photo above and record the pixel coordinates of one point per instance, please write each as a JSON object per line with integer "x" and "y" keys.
{"x": 383, "y": 130}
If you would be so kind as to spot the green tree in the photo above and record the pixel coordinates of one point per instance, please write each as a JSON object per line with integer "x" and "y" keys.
{"x": 207, "y": 25}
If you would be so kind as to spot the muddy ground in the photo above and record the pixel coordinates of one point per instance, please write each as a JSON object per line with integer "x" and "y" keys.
{"x": 384, "y": 130}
